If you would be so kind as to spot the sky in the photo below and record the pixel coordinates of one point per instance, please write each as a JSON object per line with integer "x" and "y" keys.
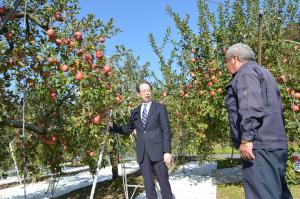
{"x": 138, "y": 18}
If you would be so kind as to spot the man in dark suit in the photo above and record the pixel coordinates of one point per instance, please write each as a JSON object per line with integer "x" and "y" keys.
{"x": 153, "y": 146}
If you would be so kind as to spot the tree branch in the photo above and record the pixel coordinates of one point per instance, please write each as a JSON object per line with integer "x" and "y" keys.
{"x": 18, "y": 124}
{"x": 9, "y": 14}
{"x": 33, "y": 19}
{"x": 29, "y": 127}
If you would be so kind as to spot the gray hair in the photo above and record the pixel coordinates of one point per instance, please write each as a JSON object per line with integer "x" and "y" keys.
{"x": 242, "y": 51}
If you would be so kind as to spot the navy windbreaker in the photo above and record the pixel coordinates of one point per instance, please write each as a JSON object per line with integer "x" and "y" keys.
{"x": 255, "y": 108}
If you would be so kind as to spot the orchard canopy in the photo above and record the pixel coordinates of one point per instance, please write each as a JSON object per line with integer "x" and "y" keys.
{"x": 57, "y": 81}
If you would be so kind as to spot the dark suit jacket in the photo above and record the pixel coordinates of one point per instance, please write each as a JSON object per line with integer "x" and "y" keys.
{"x": 155, "y": 138}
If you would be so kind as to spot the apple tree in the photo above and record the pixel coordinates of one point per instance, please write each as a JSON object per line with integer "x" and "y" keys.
{"x": 54, "y": 65}
{"x": 194, "y": 74}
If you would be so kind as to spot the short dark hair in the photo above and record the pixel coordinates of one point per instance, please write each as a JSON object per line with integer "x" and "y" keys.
{"x": 142, "y": 82}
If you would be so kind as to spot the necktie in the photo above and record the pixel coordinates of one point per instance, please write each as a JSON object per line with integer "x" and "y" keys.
{"x": 144, "y": 115}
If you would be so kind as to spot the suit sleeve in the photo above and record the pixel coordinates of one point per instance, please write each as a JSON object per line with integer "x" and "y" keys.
{"x": 128, "y": 128}
{"x": 165, "y": 126}
{"x": 250, "y": 105}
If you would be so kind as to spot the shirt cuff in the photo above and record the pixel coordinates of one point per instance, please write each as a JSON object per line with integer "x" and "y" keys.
{"x": 248, "y": 136}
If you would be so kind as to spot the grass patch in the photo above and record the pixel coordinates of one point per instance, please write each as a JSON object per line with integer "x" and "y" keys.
{"x": 236, "y": 191}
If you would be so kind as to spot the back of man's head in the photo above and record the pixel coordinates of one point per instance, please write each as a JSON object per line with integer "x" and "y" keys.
{"x": 242, "y": 51}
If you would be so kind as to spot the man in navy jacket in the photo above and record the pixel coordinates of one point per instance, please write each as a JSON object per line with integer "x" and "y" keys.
{"x": 153, "y": 146}
{"x": 257, "y": 125}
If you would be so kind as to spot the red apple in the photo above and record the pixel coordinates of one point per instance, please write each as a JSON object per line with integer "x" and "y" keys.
{"x": 118, "y": 98}
{"x": 193, "y": 74}
{"x": 51, "y": 33}
{"x": 67, "y": 41}
{"x": 101, "y": 39}
{"x": 53, "y": 138}
{"x": 58, "y": 16}
{"x": 107, "y": 86}
{"x": 282, "y": 79}
{"x": 79, "y": 53}
{"x": 46, "y": 74}
{"x": 90, "y": 153}
{"x": 297, "y": 95}
{"x": 30, "y": 82}
{"x": 3, "y": 11}
{"x": 96, "y": 120}
{"x": 209, "y": 84}
{"x": 212, "y": 93}
{"x": 79, "y": 76}
{"x": 9, "y": 35}
{"x": 193, "y": 59}
{"x": 87, "y": 57}
{"x": 78, "y": 36}
{"x": 190, "y": 86}
{"x": 294, "y": 158}
{"x": 64, "y": 67}
{"x": 106, "y": 69}
{"x": 58, "y": 42}
{"x": 194, "y": 50}
{"x": 164, "y": 94}
{"x": 99, "y": 54}
{"x": 295, "y": 108}
{"x": 51, "y": 60}
{"x": 53, "y": 95}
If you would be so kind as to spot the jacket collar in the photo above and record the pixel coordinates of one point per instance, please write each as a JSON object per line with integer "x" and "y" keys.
{"x": 236, "y": 75}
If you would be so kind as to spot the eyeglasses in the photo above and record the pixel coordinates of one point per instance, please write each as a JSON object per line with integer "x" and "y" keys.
{"x": 145, "y": 91}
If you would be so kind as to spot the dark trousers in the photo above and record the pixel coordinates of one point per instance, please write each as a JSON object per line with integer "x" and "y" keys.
{"x": 264, "y": 178}
{"x": 149, "y": 170}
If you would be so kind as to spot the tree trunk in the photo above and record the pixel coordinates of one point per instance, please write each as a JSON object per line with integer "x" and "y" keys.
{"x": 114, "y": 161}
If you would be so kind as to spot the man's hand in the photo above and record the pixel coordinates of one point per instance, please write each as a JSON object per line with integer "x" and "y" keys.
{"x": 114, "y": 128}
{"x": 246, "y": 151}
{"x": 167, "y": 158}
